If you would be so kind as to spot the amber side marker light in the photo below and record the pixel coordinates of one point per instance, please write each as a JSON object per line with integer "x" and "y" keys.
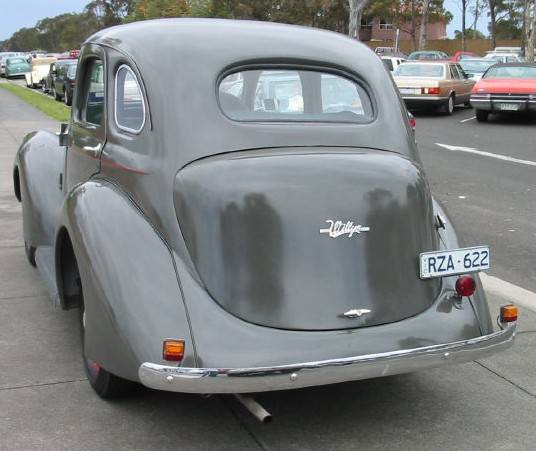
{"x": 509, "y": 313}
{"x": 173, "y": 350}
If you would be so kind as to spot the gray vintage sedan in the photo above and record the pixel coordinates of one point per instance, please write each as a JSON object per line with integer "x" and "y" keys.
{"x": 261, "y": 221}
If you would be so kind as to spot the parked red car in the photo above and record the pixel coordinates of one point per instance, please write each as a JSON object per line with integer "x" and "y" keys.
{"x": 462, "y": 55}
{"x": 505, "y": 88}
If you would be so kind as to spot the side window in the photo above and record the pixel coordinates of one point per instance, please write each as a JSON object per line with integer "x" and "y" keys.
{"x": 93, "y": 98}
{"x": 129, "y": 105}
{"x": 460, "y": 71}
{"x": 453, "y": 72}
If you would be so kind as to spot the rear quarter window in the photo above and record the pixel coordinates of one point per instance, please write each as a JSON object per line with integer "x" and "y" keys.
{"x": 293, "y": 95}
{"x": 129, "y": 103}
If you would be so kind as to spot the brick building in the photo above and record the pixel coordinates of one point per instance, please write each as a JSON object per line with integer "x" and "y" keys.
{"x": 384, "y": 30}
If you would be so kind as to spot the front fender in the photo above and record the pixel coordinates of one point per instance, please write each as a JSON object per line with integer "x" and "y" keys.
{"x": 132, "y": 296}
{"x": 40, "y": 162}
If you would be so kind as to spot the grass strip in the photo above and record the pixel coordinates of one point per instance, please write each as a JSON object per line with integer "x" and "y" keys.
{"x": 52, "y": 108}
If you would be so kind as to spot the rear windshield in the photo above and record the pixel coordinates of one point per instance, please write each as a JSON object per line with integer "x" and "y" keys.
{"x": 71, "y": 71}
{"x": 511, "y": 72}
{"x": 420, "y": 70}
{"x": 293, "y": 95}
{"x": 16, "y": 60}
{"x": 476, "y": 66}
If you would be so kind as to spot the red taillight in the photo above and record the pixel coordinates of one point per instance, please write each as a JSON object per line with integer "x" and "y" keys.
{"x": 465, "y": 286}
{"x": 412, "y": 122}
{"x": 432, "y": 91}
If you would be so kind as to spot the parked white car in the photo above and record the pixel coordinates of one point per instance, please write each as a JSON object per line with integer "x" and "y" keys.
{"x": 392, "y": 62}
{"x": 505, "y": 57}
{"x": 40, "y": 69}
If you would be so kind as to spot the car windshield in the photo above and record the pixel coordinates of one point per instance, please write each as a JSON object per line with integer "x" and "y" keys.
{"x": 293, "y": 96}
{"x": 420, "y": 70}
{"x": 476, "y": 66}
{"x": 512, "y": 72}
{"x": 16, "y": 60}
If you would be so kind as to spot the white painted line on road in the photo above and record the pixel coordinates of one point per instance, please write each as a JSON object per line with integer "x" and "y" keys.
{"x": 509, "y": 291}
{"x": 487, "y": 154}
{"x": 467, "y": 120}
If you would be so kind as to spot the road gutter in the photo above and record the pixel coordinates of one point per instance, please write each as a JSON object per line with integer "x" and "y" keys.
{"x": 513, "y": 293}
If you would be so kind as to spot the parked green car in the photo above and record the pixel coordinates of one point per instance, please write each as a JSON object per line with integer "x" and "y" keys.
{"x": 17, "y": 66}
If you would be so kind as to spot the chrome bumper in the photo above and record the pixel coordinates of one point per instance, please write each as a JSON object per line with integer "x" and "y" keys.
{"x": 284, "y": 377}
{"x": 487, "y": 104}
{"x": 424, "y": 98}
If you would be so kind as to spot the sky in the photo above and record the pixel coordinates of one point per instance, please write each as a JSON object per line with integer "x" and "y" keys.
{"x": 17, "y": 14}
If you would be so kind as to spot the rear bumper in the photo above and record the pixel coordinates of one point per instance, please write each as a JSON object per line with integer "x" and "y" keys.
{"x": 413, "y": 101}
{"x": 493, "y": 105}
{"x": 283, "y": 377}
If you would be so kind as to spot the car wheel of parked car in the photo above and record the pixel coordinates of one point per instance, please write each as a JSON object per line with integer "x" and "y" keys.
{"x": 105, "y": 384}
{"x": 55, "y": 94}
{"x": 448, "y": 108}
{"x": 482, "y": 115}
{"x": 30, "y": 254}
{"x": 67, "y": 97}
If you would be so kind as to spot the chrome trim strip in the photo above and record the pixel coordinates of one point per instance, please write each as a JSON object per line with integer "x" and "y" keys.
{"x": 283, "y": 377}
{"x": 425, "y": 97}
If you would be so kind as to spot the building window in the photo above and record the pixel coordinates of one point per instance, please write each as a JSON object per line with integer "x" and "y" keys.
{"x": 386, "y": 24}
{"x": 366, "y": 24}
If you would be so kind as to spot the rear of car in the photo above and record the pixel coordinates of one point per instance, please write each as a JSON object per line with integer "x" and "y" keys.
{"x": 476, "y": 67}
{"x": 505, "y": 88}
{"x": 16, "y": 67}
{"x": 423, "y": 55}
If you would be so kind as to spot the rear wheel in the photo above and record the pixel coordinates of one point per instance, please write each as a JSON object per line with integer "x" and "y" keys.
{"x": 55, "y": 94}
{"x": 30, "y": 254}
{"x": 105, "y": 384}
{"x": 482, "y": 115}
{"x": 448, "y": 107}
{"x": 66, "y": 97}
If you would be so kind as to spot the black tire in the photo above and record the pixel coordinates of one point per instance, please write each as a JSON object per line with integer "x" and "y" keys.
{"x": 30, "y": 254}
{"x": 448, "y": 107}
{"x": 55, "y": 94}
{"x": 66, "y": 97}
{"x": 482, "y": 115}
{"x": 105, "y": 384}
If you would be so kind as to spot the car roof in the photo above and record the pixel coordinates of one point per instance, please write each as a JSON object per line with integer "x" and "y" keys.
{"x": 206, "y": 50}
{"x": 518, "y": 64}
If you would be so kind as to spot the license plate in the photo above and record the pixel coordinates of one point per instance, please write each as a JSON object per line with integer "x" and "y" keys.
{"x": 410, "y": 91}
{"x": 456, "y": 261}
{"x": 507, "y": 106}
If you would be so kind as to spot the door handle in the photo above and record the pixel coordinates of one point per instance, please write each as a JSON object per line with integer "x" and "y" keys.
{"x": 94, "y": 150}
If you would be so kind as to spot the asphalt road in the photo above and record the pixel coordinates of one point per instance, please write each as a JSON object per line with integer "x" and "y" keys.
{"x": 491, "y": 201}
{"x": 46, "y": 403}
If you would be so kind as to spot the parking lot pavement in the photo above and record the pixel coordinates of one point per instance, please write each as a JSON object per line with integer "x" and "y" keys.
{"x": 46, "y": 403}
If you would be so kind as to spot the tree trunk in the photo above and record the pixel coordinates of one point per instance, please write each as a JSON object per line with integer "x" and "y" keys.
{"x": 464, "y": 10}
{"x": 424, "y": 25}
{"x": 493, "y": 24}
{"x": 530, "y": 14}
{"x": 356, "y": 11}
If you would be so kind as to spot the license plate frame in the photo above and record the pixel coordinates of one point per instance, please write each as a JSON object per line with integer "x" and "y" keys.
{"x": 507, "y": 106}
{"x": 454, "y": 262}
{"x": 410, "y": 91}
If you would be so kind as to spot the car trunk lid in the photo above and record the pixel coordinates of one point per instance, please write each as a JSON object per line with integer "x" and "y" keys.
{"x": 296, "y": 238}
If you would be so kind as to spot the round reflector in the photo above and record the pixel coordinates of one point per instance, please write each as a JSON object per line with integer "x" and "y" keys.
{"x": 465, "y": 286}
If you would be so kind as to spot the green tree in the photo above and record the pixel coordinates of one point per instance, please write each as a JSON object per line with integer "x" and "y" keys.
{"x": 469, "y": 34}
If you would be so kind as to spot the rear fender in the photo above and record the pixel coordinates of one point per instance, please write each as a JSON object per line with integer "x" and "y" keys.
{"x": 39, "y": 164}
{"x": 450, "y": 240}
{"x": 132, "y": 296}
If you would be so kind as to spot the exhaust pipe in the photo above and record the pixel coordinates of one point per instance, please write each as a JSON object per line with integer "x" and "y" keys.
{"x": 255, "y": 408}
